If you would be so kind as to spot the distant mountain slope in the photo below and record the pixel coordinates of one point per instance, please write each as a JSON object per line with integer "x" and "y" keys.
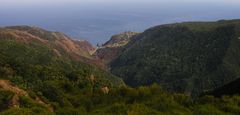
{"x": 33, "y": 45}
{"x": 61, "y": 44}
{"x": 56, "y": 40}
{"x": 86, "y": 46}
{"x": 120, "y": 39}
{"x": 185, "y": 57}
{"x": 114, "y": 47}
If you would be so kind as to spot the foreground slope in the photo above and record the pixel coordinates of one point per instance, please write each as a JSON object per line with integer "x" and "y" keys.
{"x": 44, "y": 67}
{"x": 183, "y": 57}
{"x": 150, "y": 100}
{"x": 30, "y": 47}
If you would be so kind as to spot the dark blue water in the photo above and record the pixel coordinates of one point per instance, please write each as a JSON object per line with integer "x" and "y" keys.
{"x": 97, "y": 22}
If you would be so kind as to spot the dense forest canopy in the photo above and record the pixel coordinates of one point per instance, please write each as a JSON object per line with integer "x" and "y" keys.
{"x": 185, "y": 57}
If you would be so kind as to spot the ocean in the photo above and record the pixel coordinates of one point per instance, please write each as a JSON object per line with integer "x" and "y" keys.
{"x": 98, "y": 22}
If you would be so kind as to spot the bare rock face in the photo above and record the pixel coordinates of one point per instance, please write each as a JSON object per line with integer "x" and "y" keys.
{"x": 114, "y": 47}
{"x": 105, "y": 90}
{"x": 120, "y": 39}
{"x": 85, "y": 45}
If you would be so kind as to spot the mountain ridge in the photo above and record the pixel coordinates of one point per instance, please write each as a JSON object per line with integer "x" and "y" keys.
{"x": 186, "y": 57}
{"x": 61, "y": 44}
{"x": 114, "y": 47}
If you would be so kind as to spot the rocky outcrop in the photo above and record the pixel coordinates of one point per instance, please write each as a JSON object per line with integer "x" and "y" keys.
{"x": 105, "y": 90}
{"x": 114, "y": 47}
{"x": 120, "y": 39}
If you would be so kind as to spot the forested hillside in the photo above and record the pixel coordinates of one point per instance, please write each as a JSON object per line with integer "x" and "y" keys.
{"x": 58, "y": 81}
{"x": 48, "y": 73}
{"x": 184, "y": 57}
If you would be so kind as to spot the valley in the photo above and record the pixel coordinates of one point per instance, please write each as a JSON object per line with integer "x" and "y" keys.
{"x": 188, "y": 68}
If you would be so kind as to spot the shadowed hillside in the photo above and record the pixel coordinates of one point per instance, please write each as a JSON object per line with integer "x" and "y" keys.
{"x": 232, "y": 88}
{"x": 184, "y": 57}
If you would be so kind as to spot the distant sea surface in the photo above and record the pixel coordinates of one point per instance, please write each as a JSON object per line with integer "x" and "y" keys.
{"x": 98, "y": 22}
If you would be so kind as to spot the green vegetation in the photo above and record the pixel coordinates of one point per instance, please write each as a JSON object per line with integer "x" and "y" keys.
{"x": 35, "y": 64}
{"x": 179, "y": 57}
{"x": 182, "y": 57}
{"x": 126, "y": 101}
{"x": 55, "y": 80}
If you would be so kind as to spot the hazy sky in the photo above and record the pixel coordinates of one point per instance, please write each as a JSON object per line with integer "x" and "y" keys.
{"x": 97, "y": 20}
{"x": 20, "y": 2}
